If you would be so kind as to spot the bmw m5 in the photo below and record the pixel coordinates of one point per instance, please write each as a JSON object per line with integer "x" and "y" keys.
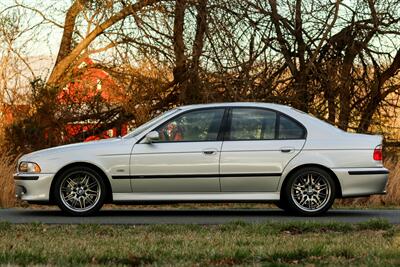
{"x": 231, "y": 152}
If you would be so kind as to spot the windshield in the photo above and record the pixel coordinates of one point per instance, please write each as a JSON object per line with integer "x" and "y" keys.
{"x": 150, "y": 123}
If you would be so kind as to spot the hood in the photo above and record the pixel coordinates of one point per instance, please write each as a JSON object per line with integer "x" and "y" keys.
{"x": 71, "y": 147}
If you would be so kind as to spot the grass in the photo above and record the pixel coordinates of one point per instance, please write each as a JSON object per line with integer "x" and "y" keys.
{"x": 273, "y": 244}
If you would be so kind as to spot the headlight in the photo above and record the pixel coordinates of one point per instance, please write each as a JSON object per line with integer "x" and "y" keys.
{"x": 28, "y": 167}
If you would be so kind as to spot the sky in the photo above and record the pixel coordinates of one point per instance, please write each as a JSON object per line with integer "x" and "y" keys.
{"x": 44, "y": 39}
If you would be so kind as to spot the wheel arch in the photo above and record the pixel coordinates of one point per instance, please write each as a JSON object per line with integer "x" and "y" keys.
{"x": 82, "y": 164}
{"x": 338, "y": 192}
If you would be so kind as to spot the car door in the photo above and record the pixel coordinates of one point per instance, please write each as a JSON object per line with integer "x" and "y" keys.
{"x": 258, "y": 145}
{"x": 186, "y": 157}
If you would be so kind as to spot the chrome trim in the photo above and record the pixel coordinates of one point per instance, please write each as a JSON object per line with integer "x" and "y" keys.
{"x": 194, "y": 176}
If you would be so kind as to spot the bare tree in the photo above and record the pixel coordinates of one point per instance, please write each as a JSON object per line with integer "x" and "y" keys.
{"x": 336, "y": 60}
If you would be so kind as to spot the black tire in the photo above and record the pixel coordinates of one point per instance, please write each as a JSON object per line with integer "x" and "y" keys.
{"x": 305, "y": 201}
{"x": 77, "y": 173}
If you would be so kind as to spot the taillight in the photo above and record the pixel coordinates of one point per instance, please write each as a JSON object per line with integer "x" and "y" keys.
{"x": 378, "y": 153}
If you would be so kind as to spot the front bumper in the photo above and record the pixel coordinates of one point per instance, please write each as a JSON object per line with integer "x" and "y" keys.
{"x": 356, "y": 182}
{"x": 33, "y": 187}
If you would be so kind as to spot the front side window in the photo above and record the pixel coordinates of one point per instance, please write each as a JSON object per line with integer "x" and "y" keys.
{"x": 150, "y": 123}
{"x": 199, "y": 125}
{"x": 252, "y": 124}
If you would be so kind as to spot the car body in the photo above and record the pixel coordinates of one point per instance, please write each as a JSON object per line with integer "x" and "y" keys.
{"x": 232, "y": 152}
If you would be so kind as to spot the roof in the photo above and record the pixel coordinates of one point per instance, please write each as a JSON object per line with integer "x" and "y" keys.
{"x": 320, "y": 128}
{"x": 237, "y": 104}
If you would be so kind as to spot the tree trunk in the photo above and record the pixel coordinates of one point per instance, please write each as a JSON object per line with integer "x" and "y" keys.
{"x": 61, "y": 69}
{"x": 180, "y": 67}
{"x": 193, "y": 89}
{"x": 69, "y": 26}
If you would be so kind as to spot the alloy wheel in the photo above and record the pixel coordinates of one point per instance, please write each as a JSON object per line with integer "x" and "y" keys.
{"x": 311, "y": 191}
{"x": 80, "y": 191}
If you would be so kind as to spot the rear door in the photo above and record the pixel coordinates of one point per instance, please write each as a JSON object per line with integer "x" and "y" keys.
{"x": 258, "y": 145}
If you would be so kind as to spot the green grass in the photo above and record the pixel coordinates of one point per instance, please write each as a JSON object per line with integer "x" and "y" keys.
{"x": 272, "y": 244}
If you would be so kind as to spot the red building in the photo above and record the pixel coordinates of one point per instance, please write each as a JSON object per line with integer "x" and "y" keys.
{"x": 91, "y": 82}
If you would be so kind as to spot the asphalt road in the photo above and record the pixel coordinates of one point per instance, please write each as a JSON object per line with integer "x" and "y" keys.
{"x": 203, "y": 216}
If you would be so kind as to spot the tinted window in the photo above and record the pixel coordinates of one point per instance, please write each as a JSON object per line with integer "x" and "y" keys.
{"x": 149, "y": 124}
{"x": 201, "y": 125}
{"x": 290, "y": 129}
{"x": 252, "y": 124}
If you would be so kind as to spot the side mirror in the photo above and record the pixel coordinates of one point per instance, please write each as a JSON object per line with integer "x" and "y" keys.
{"x": 151, "y": 137}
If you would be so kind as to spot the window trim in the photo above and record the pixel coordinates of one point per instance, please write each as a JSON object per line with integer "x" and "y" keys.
{"x": 277, "y": 125}
{"x": 226, "y": 124}
{"x": 219, "y": 135}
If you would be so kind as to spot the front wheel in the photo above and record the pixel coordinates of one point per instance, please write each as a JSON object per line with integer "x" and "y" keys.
{"x": 310, "y": 191}
{"x": 79, "y": 191}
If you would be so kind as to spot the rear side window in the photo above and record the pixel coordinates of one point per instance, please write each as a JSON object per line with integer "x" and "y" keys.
{"x": 290, "y": 129}
{"x": 252, "y": 124}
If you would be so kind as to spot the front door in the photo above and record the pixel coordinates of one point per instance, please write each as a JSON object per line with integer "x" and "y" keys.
{"x": 257, "y": 147}
{"x": 186, "y": 157}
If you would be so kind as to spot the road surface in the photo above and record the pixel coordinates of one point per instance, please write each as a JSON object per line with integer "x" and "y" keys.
{"x": 194, "y": 216}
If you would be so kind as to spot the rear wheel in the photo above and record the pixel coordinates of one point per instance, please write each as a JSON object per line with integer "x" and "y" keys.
{"x": 309, "y": 191}
{"x": 80, "y": 191}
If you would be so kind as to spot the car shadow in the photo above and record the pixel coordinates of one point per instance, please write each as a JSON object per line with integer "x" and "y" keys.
{"x": 273, "y": 213}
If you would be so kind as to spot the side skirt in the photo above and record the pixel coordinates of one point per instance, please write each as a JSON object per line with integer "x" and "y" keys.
{"x": 197, "y": 197}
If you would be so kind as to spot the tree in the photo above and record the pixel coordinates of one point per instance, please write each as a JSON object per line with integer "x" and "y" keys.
{"x": 336, "y": 60}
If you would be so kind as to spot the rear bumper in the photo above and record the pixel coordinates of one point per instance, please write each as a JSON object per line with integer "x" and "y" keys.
{"x": 33, "y": 187}
{"x": 356, "y": 182}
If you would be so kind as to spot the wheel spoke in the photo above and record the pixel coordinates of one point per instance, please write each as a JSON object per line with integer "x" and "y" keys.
{"x": 89, "y": 200}
{"x": 309, "y": 177}
{"x": 74, "y": 202}
{"x": 323, "y": 187}
{"x": 92, "y": 184}
{"x": 82, "y": 202}
{"x": 91, "y": 191}
{"x": 71, "y": 183}
{"x": 303, "y": 199}
{"x": 69, "y": 196}
{"x": 85, "y": 180}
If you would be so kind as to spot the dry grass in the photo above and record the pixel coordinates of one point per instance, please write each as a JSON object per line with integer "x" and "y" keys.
{"x": 392, "y": 198}
{"x": 393, "y": 192}
{"x": 7, "y": 198}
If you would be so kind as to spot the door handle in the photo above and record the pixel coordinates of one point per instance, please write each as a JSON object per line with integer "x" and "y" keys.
{"x": 209, "y": 152}
{"x": 287, "y": 149}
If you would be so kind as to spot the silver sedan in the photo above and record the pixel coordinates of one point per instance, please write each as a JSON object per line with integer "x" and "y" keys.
{"x": 232, "y": 152}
